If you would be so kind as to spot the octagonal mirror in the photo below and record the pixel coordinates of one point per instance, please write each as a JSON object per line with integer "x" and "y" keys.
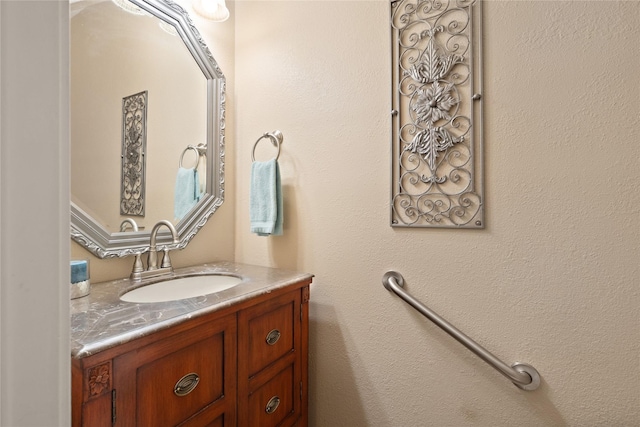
{"x": 145, "y": 53}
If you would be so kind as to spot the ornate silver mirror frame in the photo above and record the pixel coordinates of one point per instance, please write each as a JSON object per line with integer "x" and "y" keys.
{"x": 437, "y": 164}
{"x": 89, "y": 233}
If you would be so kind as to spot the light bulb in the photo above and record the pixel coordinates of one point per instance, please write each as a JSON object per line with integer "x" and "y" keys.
{"x": 214, "y": 10}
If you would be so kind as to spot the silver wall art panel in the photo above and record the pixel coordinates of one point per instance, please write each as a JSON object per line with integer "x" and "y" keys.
{"x": 437, "y": 164}
{"x": 134, "y": 144}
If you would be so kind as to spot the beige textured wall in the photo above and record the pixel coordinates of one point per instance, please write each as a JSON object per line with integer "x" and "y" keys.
{"x": 553, "y": 280}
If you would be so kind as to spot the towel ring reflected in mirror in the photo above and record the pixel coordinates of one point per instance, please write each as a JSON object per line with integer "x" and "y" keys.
{"x": 276, "y": 139}
{"x": 200, "y": 149}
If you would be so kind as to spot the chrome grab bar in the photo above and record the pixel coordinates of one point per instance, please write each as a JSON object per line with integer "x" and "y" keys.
{"x": 522, "y": 375}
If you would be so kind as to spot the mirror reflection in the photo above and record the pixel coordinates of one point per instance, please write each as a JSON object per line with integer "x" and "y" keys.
{"x": 147, "y": 130}
{"x": 114, "y": 55}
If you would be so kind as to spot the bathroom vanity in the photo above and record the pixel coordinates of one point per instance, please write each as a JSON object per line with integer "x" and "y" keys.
{"x": 234, "y": 357}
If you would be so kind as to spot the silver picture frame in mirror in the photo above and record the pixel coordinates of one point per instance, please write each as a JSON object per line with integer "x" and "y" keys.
{"x": 104, "y": 242}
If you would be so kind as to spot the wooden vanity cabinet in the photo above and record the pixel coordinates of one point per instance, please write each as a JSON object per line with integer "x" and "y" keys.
{"x": 243, "y": 366}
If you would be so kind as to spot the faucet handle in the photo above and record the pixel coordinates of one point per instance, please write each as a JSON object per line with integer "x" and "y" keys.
{"x": 137, "y": 264}
{"x": 166, "y": 261}
{"x": 136, "y": 272}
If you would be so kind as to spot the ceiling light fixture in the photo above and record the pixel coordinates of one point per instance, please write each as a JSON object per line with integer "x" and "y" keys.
{"x": 129, "y": 7}
{"x": 213, "y": 10}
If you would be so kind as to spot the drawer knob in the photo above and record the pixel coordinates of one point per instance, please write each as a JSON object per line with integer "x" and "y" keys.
{"x": 186, "y": 384}
{"x": 272, "y": 405}
{"x": 273, "y": 337}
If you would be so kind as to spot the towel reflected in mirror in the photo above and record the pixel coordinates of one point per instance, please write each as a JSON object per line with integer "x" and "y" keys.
{"x": 187, "y": 191}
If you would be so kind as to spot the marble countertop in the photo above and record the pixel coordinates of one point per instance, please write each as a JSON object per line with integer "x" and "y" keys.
{"x": 100, "y": 320}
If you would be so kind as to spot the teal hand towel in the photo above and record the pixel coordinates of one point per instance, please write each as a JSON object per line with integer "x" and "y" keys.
{"x": 187, "y": 191}
{"x": 265, "y": 200}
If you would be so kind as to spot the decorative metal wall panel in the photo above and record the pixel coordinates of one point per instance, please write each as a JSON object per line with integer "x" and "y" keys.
{"x": 134, "y": 142}
{"x": 437, "y": 114}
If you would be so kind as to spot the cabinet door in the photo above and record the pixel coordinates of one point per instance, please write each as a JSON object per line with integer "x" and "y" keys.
{"x": 270, "y": 365}
{"x": 186, "y": 379}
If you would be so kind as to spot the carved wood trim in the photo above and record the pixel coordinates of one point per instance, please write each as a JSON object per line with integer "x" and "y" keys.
{"x": 98, "y": 380}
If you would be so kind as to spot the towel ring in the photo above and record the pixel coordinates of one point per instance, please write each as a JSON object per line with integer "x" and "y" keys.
{"x": 276, "y": 139}
{"x": 200, "y": 150}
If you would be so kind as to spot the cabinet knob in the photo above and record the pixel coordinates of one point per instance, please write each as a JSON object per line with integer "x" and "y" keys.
{"x": 273, "y": 336}
{"x": 272, "y": 405}
{"x": 186, "y": 384}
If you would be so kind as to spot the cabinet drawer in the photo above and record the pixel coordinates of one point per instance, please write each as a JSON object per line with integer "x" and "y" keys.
{"x": 204, "y": 419}
{"x": 161, "y": 383}
{"x": 272, "y": 403}
{"x": 271, "y": 331}
{"x": 185, "y": 377}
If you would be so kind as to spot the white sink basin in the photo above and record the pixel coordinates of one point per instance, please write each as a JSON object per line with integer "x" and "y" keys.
{"x": 181, "y": 288}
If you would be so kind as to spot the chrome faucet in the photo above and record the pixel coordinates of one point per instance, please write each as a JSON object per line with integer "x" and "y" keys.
{"x": 129, "y": 221}
{"x": 152, "y": 263}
